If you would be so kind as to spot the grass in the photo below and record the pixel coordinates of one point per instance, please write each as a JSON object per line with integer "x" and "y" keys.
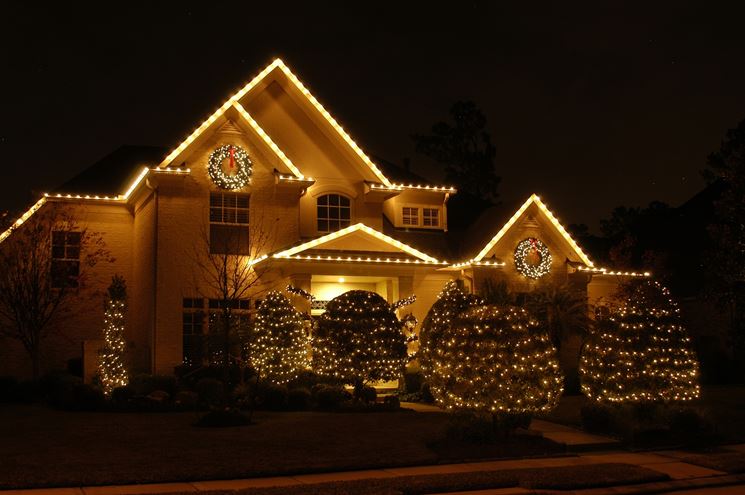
{"x": 727, "y": 461}
{"x": 42, "y": 447}
{"x": 557, "y": 478}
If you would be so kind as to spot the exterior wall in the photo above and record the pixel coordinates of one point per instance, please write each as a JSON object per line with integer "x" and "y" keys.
{"x": 392, "y": 207}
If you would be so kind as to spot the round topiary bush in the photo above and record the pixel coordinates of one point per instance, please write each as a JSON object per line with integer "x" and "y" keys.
{"x": 298, "y": 399}
{"x": 211, "y": 391}
{"x": 331, "y": 397}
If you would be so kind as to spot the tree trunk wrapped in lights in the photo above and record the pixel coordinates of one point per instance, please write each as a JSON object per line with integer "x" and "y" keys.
{"x": 451, "y": 302}
{"x": 640, "y": 353}
{"x": 359, "y": 340}
{"x": 112, "y": 368}
{"x": 281, "y": 349}
{"x": 495, "y": 360}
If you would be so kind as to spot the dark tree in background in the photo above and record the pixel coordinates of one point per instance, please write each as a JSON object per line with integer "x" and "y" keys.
{"x": 726, "y": 259}
{"x": 465, "y": 150}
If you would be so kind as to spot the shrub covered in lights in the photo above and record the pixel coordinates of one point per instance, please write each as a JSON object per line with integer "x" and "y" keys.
{"x": 281, "y": 349}
{"x": 640, "y": 353}
{"x": 495, "y": 360}
{"x": 112, "y": 369}
{"x": 451, "y": 302}
{"x": 359, "y": 340}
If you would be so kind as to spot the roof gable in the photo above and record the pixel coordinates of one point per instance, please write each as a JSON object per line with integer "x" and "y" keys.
{"x": 358, "y": 242}
{"x": 534, "y": 204}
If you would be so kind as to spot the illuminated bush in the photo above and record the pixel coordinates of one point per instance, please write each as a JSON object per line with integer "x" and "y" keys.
{"x": 359, "y": 340}
{"x": 281, "y": 349}
{"x": 495, "y": 360}
{"x": 640, "y": 352}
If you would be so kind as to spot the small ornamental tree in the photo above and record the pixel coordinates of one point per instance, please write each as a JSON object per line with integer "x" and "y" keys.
{"x": 640, "y": 353}
{"x": 112, "y": 368}
{"x": 359, "y": 340}
{"x": 280, "y": 351}
{"x": 494, "y": 360}
{"x": 451, "y": 302}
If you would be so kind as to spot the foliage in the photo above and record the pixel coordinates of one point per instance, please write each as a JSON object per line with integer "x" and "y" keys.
{"x": 281, "y": 348}
{"x": 450, "y": 303}
{"x": 298, "y": 399}
{"x": 211, "y": 392}
{"x": 561, "y": 309}
{"x": 112, "y": 368}
{"x": 465, "y": 149}
{"x": 31, "y": 307}
{"x": 274, "y": 397}
{"x": 496, "y": 360}
{"x": 330, "y": 397}
{"x": 725, "y": 262}
{"x": 641, "y": 352}
{"x": 359, "y": 340}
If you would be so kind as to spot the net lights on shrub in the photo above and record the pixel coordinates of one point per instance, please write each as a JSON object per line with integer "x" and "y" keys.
{"x": 111, "y": 368}
{"x": 641, "y": 352}
{"x": 281, "y": 349}
{"x": 359, "y": 339}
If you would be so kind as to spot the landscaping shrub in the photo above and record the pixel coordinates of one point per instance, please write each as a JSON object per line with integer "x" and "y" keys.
{"x": 186, "y": 399}
{"x": 222, "y": 418}
{"x": 331, "y": 397}
{"x": 57, "y": 388}
{"x": 8, "y": 389}
{"x": 413, "y": 382}
{"x": 470, "y": 427}
{"x": 598, "y": 418}
{"x": 145, "y": 384}
{"x": 75, "y": 367}
{"x": 122, "y": 395}
{"x": 391, "y": 402}
{"x": 368, "y": 394}
{"x": 426, "y": 394}
{"x": 298, "y": 399}
{"x": 159, "y": 396}
{"x": 274, "y": 397}
{"x": 85, "y": 397}
{"x": 242, "y": 395}
{"x": 28, "y": 391}
{"x": 689, "y": 426}
{"x": 211, "y": 391}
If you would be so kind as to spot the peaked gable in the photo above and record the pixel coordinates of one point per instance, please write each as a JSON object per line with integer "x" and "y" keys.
{"x": 358, "y": 242}
{"x": 534, "y": 203}
{"x": 273, "y": 72}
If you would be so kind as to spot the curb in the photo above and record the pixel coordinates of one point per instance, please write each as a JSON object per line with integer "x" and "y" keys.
{"x": 656, "y": 487}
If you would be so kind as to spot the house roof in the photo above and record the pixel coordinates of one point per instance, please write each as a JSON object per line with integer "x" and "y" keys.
{"x": 114, "y": 172}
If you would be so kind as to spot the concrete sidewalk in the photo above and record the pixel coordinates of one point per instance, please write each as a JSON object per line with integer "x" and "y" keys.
{"x": 657, "y": 461}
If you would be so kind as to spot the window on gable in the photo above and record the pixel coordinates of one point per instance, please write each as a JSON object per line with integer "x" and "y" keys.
{"x": 430, "y": 217}
{"x": 229, "y": 219}
{"x": 194, "y": 341}
{"x": 333, "y": 212}
{"x": 410, "y": 216}
{"x": 65, "y": 268}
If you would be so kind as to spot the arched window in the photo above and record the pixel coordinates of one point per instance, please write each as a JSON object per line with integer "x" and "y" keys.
{"x": 333, "y": 212}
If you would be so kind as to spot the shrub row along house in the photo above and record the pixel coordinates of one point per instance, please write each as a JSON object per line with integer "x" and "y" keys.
{"x": 268, "y": 191}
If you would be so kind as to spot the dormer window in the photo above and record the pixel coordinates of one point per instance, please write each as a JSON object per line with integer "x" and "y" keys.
{"x": 421, "y": 217}
{"x": 334, "y": 212}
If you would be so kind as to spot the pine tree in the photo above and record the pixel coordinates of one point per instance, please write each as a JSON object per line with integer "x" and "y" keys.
{"x": 359, "y": 340}
{"x": 112, "y": 368}
{"x": 495, "y": 360}
{"x": 641, "y": 352}
{"x": 281, "y": 350}
{"x": 451, "y": 302}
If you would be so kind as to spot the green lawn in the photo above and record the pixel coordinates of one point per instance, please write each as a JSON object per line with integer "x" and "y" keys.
{"x": 44, "y": 447}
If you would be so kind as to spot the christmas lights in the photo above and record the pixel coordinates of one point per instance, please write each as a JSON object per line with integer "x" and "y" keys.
{"x": 281, "y": 349}
{"x": 404, "y": 302}
{"x": 300, "y": 292}
{"x": 111, "y": 368}
{"x": 641, "y": 352}
{"x": 532, "y": 258}
{"x": 240, "y": 167}
{"x": 359, "y": 340}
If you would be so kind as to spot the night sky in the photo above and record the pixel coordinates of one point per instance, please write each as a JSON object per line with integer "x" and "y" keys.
{"x": 591, "y": 105}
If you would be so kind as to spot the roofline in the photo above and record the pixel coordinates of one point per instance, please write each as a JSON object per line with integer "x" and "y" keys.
{"x": 287, "y": 253}
{"x": 534, "y": 199}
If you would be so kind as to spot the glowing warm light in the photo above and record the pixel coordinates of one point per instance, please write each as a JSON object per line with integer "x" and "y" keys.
{"x": 355, "y": 228}
{"x": 341, "y": 280}
{"x": 399, "y": 187}
{"x": 23, "y": 218}
{"x": 534, "y": 199}
{"x": 605, "y": 271}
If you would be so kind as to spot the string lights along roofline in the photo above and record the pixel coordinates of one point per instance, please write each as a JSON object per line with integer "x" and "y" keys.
{"x": 534, "y": 199}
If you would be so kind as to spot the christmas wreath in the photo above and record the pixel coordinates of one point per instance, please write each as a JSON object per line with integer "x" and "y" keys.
{"x": 532, "y": 258}
{"x": 236, "y": 173}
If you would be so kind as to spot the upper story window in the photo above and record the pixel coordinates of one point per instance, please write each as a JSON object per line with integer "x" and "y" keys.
{"x": 229, "y": 223}
{"x": 415, "y": 216}
{"x": 334, "y": 212}
{"x": 65, "y": 259}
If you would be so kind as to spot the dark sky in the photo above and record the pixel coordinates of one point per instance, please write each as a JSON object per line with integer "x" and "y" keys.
{"x": 592, "y": 105}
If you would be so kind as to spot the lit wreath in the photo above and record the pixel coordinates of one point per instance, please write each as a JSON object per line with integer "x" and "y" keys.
{"x": 525, "y": 248}
{"x": 238, "y": 158}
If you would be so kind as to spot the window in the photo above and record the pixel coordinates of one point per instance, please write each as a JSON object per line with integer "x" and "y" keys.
{"x": 420, "y": 217}
{"x": 193, "y": 332}
{"x": 334, "y": 212}
{"x": 65, "y": 259}
{"x": 410, "y": 216}
{"x": 240, "y": 325}
{"x": 229, "y": 223}
{"x": 430, "y": 217}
